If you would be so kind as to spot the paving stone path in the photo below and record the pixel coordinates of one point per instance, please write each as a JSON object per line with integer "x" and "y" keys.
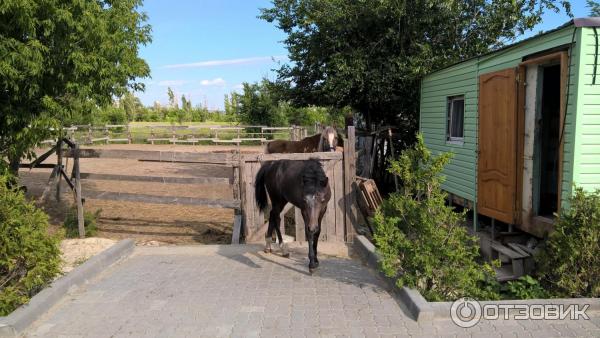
{"x": 238, "y": 291}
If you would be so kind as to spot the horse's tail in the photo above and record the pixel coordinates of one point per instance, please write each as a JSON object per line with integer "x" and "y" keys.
{"x": 260, "y": 191}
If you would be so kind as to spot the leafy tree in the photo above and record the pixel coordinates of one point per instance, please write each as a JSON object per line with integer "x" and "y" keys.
{"x": 186, "y": 104}
{"x": 258, "y": 105}
{"x": 594, "y": 7}
{"x": 172, "y": 100}
{"x": 421, "y": 240}
{"x": 131, "y": 105}
{"x": 371, "y": 54}
{"x": 57, "y": 54}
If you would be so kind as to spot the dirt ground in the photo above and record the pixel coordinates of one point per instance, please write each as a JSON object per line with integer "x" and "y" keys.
{"x": 147, "y": 224}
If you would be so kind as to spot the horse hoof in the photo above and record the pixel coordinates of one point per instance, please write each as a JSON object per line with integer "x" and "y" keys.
{"x": 268, "y": 251}
{"x": 285, "y": 255}
{"x": 311, "y": 270}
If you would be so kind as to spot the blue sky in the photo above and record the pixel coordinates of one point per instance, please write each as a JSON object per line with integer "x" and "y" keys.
{"x": 204, "y": 49}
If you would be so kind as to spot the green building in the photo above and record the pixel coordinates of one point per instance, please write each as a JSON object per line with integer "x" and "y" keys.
{"x": 523, "y": 123}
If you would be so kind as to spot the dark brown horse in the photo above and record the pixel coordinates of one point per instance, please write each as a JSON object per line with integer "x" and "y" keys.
{"x": 326, "y": 141}
{"x": 305, "y": 185}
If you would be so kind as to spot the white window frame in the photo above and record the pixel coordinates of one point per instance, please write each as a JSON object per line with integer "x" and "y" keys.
{"x": 449, "y": 114}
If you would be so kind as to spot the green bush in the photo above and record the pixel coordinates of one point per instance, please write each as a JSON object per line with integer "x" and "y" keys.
{"x": 29, "y": 257}
{"x": 526, "y": 287}
{"x": 421, "y": 240}
{"x": 569, "y": 264}
{"x": 72, "y": 226}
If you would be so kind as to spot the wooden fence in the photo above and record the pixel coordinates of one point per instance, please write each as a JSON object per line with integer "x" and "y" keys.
{"x": 178, "y": 134}
{"x": 249, "y": 222}
{"x": 341, "y": 217}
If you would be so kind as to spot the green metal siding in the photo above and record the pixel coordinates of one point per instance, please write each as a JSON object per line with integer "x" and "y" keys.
{"x": 457, "y": 80}
{"x": 462, "y": 79}
{"x": 586, "y": 169}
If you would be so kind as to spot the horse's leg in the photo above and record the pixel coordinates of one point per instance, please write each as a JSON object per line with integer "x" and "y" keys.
{"x": 314, "y": 244}
{"x": 311, "y": 249}
{"x": 269, "y": 234}
{"x": 276, "y": 221}
{"x": 316, "y": 239}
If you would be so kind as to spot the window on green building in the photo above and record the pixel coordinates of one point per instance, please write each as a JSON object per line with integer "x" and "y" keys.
{"x": 455, "y": 116}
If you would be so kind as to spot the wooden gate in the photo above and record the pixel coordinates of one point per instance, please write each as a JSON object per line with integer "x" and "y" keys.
{"x": 497, "y": 164}
{"x": 338, "y": 222}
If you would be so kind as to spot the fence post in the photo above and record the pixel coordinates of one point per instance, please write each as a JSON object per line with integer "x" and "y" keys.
{"x": 59, "y": 166}
{"x": 106, "y": 133}
{"x": 349, "y": 188}
{"x": 90, "y": 136}
{"x": 128, "y": 134}
{"x": 78, "y": 195}
{"x": 237, "y": 218}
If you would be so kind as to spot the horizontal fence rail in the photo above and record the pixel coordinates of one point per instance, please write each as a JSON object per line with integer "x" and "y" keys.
{"x": 179, "y": 134}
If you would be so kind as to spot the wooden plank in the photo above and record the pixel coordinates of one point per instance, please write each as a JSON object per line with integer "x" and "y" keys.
{"x": 39, "y": 166}
{"x": 297, "y": 156}
{"x": 349, "y": 184}
{"x": 340, "y": 201}
{"x": 59, "y": 160}
{"x": 248, "y": 193}
{"x": 44, "y": 195}
{"x": 237, "y": 228}
{"x": 564, "y": 73}
{"x": 161, "y": 156}
{"x": 64, "y": 175}
{"x": 259, "y": 216}
{"x": 328, "y": 222}
{"x": 156, "y": 179}
{"x": 176, "y": 200}
{"x": 78, "y": 197}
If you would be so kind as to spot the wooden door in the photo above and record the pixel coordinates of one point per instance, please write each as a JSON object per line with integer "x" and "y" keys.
{"x": 498, "y": 127}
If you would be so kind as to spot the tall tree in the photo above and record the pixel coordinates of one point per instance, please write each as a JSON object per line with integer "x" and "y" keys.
{"x": 131, "y": 104}
{"x": 594, "y": 7}
{"x": 371, "y": 54}
{"x": 58, "y": 53}
{"x": 172, "y": 99}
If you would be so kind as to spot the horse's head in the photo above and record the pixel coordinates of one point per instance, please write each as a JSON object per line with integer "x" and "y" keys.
{"x": 316, "y": 194}
{"x": 329, "y": 139}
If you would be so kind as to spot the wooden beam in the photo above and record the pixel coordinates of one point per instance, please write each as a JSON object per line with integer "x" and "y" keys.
{"x": 237, "y": 228}
{"x": 64, "y": 175}
{"x": 155, "y": 179}
{"x": 78, "y": 195}
{"x": 39, "y": 166}
{"x": 297, "y": 156}
{"x": 160, "y": 156}
{"x": 48, "y": 187}
{"x": 349, "y": 185}
{"x": 175, "y": 200}
{"x": 546, "y": 58}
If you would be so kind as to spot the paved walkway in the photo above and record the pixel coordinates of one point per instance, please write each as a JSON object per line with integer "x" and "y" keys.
{"x": 222, "y": 291}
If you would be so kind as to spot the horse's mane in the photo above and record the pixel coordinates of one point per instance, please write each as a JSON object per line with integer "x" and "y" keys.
{"x": 313, "y": 176}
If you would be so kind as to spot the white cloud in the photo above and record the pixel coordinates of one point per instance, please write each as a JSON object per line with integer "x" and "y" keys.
{"x": 214, "y": 82}
{"x": 228, "y": 62}
{"x": 172, "y": 83}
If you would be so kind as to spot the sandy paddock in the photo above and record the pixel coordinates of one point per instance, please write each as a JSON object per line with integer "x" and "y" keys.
{"x": 148, "y": 224}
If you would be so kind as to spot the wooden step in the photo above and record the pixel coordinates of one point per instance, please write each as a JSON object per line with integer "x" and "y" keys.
{"x": 505, "y": 274}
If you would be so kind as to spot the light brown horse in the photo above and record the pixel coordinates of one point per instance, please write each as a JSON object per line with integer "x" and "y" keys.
{"x": 326, "y": 141}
